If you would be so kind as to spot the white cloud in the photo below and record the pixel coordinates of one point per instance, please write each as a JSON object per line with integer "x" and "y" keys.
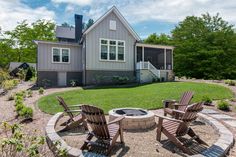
{"x": 14, "y": 11}
{"x": 164, "y": 10}
{"x": 76, "y": 2}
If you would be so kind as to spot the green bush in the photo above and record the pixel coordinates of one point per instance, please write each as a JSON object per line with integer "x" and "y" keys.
{"x": 227, "y": 81}
{"x": 26, "y": 112}
{"x": 41, "y": 90}
{"x": 19, "y": 107}
{"x": 73, "y": 83}
{"x": 206, "y": 99}
{"x": 223, "y": 105}
{"x": 156, "y": 79}
{"x": 8, "y": 84}
{"x": 4, "y": 75}
{"x": 46, "y": 83}
{"x": 120, "y": 80}
{"x": 231, "y": 83}
{"x": 29, "y": 93}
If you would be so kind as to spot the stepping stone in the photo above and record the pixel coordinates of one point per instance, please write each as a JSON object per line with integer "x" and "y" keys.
{"x": 222, "y": 116}
{"x": 231, "y": 122}
{"x": 209, "y": 111}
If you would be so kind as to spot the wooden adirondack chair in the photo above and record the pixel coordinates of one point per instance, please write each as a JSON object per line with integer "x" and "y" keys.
{"x": 105, "y": 133}
{"x": 181, "y": 105}
{"x": 174, "y": 128}
{"x": 74, "y": 120}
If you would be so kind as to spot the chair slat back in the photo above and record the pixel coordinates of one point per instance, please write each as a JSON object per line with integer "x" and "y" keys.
{"x": 64, "y": 105}
{"x": 189, "y": 116}
{"x": 97, "y": 121}
{"x": 185, "y": 99}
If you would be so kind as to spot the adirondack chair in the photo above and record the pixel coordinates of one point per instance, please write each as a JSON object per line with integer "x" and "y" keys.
{"x": 105, "y": 133}
{"x": 175, "y": 128}
{"x": 181, "y": 105}
{"x": 74, "y": 120}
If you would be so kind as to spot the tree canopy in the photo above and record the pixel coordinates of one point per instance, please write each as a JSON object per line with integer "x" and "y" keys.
{"x": 205, "y": 47}
{"x": 17, "y": 44}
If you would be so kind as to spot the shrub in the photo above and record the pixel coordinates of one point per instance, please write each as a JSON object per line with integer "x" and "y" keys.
{"x": 156, "y": 79}
{"x": 231, "y": 83}
{"x": 227, "y": 81}
{"x": 41, "y": 90}
{"x": 16, "y": 82}
{"x": 26, "y": 112}
{"x": 19, "y": 107}
{"x": 16, "y": 143}
{"x": 21, "y": 74}
{"x": 120, "y": 80}
{"x": 73, "y": 83}
{"x": 4, "y": 75}
{"x": 21, "y": 94}
{"x": 29, "y": 93}
{"x": 206, "y": 99}
{"x": 11, "y": 97}
{"x": 8, "y": 84}
{"x": 223, "y": 105}
{"x": 46, "y": 83}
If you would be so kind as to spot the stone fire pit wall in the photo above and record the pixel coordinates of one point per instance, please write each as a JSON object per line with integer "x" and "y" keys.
{"x": 135, "y": 122}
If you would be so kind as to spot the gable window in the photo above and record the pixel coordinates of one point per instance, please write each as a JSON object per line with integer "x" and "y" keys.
{"x": 60, "y": 55}
{"x": 112, "y": 50}
{"x": 112, "y": 25}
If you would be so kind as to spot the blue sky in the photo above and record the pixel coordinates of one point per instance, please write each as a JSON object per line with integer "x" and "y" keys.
{"x": 145, "y": 16}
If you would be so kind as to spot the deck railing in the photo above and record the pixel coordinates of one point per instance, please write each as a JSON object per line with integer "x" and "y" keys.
{"x": 148, "y": 66}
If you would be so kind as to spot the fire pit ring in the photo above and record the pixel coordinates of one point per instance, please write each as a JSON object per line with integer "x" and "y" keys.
{"x": 135, "y": 118}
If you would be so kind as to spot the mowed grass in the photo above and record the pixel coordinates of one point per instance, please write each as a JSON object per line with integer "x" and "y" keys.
{"x": 147, "y": 96}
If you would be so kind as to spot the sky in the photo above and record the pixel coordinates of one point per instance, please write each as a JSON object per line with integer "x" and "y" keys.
{"x": 145, "y": 16}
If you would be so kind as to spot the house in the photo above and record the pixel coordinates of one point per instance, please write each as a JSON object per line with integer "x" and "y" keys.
{"x": 110, "y": 47}
{"x": 15, "y": 66}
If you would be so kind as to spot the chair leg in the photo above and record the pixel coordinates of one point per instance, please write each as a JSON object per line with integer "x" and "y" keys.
{"x": 176, "y": 141}
{"x": 191, "y": 133}
{"x": 121, "y": 135}
{"x": 88, "y": 138}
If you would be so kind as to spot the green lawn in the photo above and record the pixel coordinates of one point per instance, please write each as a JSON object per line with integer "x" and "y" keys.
{"x": 147, "y": 96}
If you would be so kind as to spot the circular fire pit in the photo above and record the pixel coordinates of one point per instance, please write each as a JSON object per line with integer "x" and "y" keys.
{"x": 135, "y": 118}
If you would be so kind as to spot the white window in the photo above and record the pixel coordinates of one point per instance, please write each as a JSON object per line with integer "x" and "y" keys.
{"x": 60, "y": 55}
{"x": 112, "y": 50}
{"x": 112, "y": 25}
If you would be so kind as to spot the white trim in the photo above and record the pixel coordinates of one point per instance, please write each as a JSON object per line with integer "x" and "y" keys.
{"x": 155, "y": 46}
{"x": 121, "y": 18}
{"x": 60, "y": 53}
{"x": 108, "y": 50}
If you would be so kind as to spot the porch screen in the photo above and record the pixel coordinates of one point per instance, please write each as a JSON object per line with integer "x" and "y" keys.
{"x": 154, "y": 56}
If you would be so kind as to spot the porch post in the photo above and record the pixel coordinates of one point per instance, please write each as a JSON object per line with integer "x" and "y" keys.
{"x": 143, "y": 53}
{"x": 165, "y": 58}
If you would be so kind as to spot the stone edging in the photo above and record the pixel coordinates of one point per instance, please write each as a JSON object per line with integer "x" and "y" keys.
{"x": 53, "y": 137}
{"x": 218, "y": 149}
{"x": 223, "y": 144}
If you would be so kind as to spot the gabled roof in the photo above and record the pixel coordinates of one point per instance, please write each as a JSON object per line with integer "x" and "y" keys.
{"x": 121, "y": 18}
{"x": 65, "y": 32}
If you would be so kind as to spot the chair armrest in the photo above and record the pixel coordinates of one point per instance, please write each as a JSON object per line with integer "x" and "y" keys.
{"x": 168, "y": 118}
{"x": 177, "y": 104}
{"x": 116, "y": 120}
{"x": 71, "y": 106}
{"x": 168, "y": 103}
{"x": 73, "y": 111}
{"x": 178, "y": 111}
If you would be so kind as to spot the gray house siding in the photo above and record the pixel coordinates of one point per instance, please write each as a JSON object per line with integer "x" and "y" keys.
{"x": 93, "y": 65}
{"x": 45, "y": 58}
{"x": 49, "y": 71}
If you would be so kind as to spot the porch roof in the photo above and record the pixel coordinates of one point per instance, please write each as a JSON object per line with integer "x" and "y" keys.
{"x": 154, "y": 46}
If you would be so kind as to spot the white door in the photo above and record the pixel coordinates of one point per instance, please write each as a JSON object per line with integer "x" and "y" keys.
{"x": 61, "y": 76}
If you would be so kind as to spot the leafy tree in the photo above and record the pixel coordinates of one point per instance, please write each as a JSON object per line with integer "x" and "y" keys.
{"x": 158, "y": 39}
{"x": 205, "y": 48}
{"x": 65, "y": 24}
{"x": 90, "y": 23}
{"x": 19, "y": 46}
